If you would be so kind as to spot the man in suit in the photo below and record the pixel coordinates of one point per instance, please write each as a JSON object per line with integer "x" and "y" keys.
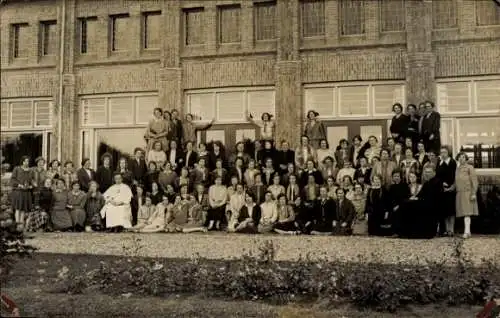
{"x": 174, "y": 156}
{"x": 363, "y": 173}
{"x": 138, "y": 167}
{"x": 431, "y": 126}
{"x": 189, "y": 157}
{"x": 324, "y": 213}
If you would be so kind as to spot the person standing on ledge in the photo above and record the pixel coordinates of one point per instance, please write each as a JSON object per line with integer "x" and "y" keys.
{"x": 266, "y": 125}
{"x": 314, "y": 129}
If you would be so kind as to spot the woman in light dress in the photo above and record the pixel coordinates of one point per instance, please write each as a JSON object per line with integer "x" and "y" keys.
{"x": 93, "y": 206}
{"x": 157, "y": 130}
{"x": 269, "y": 214}
{"x": 117, "y": 209}
{"x": 157, "y": 220}
{"x": 266, "y": 125}
{"x": 372, "y": 149}
{"x": 466, "y": 185}
{"x": 304, "y": 153}
{"x": 60, "y": 216}
{"x": 144, "y": 212}
{"x": 358, "y": 199}
{"x": 217, "y": 197}
{"x": 323, "y": 152}
{"x": 276, "y": 188}
{"x": 157, "y": 155}
{"x": 69, "y": 173}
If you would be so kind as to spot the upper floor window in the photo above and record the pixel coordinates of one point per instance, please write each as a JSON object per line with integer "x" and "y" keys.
{"x": 487, "y": 13}
{"x": 87, "y": 33}
{"x": 312, "y": 17}
{"x": 193, "y": 26}
{"x": 151, "y": 30}
{"x": 352, "y": 17}
{"x": 120, "y": 32}
{"x": 392, "y": 15}
{"x": 444, "y": 14}
{"x": 265, "y": 20}
{"x": 48, "y": 37}
{"x": 228, "y": 27}
{"x": 20, "y": 40}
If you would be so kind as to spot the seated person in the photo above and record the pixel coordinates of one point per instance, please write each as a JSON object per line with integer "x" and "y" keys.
{"x": 286, "y": 217}
{"x": 346, "y": 213}
{"x": 324, "y": 214}
{"x": 269, "y": 214}
{"x": 249, "y": 216}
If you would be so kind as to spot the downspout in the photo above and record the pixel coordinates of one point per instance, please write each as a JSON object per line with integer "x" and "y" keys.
{"x": 61, "y": 80}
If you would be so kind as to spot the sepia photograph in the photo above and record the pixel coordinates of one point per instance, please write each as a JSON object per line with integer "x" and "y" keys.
{"x": 250, "y": 158}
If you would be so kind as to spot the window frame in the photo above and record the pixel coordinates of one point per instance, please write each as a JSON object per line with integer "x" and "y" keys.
{"x": 495, "y": 5}
{"x": 185, "y": 14}
{"x": 214, "y": 92}
{"x": 32, "y": 126}
{"x": 220, "y": 9}
{"x": 112, "y": 32}
{"x": 382, "y": 16}
{"x": 107, "y": 121}
{"x": 83, "y": 37}
{"x": 456, "y": 17}
{"x": 15, "y": 39}
{"x": 45, "y": 38}
{"x": 302, "y": 20}
{"x": 256, "y": 24}
{"x": 342, "y": 19}
{"x": 144, "y": 33}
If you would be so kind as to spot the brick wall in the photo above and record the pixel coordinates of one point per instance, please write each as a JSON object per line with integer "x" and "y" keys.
{"x": 418, "y": 55}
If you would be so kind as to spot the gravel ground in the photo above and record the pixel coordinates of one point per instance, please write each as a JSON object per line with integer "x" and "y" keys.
{"x": 288, "y": 248}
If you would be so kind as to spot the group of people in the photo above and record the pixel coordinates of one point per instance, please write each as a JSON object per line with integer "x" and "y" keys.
{"x": 408, "y": 186}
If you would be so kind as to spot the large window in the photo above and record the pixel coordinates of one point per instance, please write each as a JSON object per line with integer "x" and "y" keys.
{"x": 48, "y": 35}
{"x": 265, "y": 20}
{"x": 466, "y": 96}
{"x": 392, "y": 15}
{"x": 151, "y": 30}
{"x": 353, "y": 99}
{"x": 480, "y": 139}
{"x": 352, "y": 17}
{"x": 20, "y": 40}
{"x": 87, "y": 33}
{"x": 487, "y": 13}
{"x": 193, "y": 26}
{"x": 313, "y": 18}
{"x": 26, "y": 114}
{"x": 444, "y": 14}
{"x": 120, "y": 32}
{"x": 230, "y": 105}
{"x": 117, "y": 110}
{"x": 229, "y": 23}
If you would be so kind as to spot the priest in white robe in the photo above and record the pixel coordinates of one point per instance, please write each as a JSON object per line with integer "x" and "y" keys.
{"x": 117, "y": 210}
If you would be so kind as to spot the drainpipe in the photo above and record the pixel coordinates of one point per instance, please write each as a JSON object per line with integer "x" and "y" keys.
{"x": 61, "y": 79}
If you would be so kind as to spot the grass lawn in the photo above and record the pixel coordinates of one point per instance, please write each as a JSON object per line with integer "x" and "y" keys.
{"x": 31, "y": 287}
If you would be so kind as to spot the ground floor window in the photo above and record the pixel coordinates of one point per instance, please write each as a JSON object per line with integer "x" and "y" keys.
{"x": 15, "y": 145}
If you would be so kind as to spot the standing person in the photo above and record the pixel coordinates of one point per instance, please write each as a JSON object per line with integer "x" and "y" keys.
{"x": 371, "y": 149}
{"x": 93, "y": 205}
{"x": 304, "y": 153}
{"x": 22, "y": 182}
{"x": 276, "y": 188}
{"x": 445, "y": 172}
{"x": 69, "y": 173}
{"x": 328, "y": 168}
{"x": 46, "y": 201}
{"x": 356, "y": 152}
{"x": 399, "y": 123}
{"x": 343, "y": 153}
{"x": 396, "y": 197}
{"x": 413, "y": 123}
{"x": 408, "y": 165}
{"x": 220, "y": 172}
{"x": 345, "y": 214}
{"x": 39, "y": 173}
{"x": 167, "y": 176}
{"x": 157, "y": 130}
{"x": 269, "y": 214}
{"x": 123, "y": 170}
{"x": 431, "y": 126}
{"x": 358, "y": 199}
{"x": 85, "y": 175}
{"x": 191, "y": 129}
{"x": 200, "y": 174}
{"x": 177, "y": 129}
{"x": 429, "y": 195}
{"x": 324, "y": 152}
{"x": 397, "y": 154}
{"x": 266, "y": 125}
{"x": 104, "y": 174}
{"x": 76, "y": 206}
{"x": 384, "y": 168}
{"x": 259, "y": 189}
{"x": 314, "y": 129}
{"x": 421, "y": 114}
{"x": 38, "y": 218}
{"x": 138, "y": 167}
{"x": 117, "y": 210}
{"x": 363, "y": 173}
{"x": 466, "y": 185}
{"x": 174, "y": 156}
{"x": 54, "y": 169}
{"x": 137, "y": 202}
{"x": 60, "y": 216}
{"x": 250, "y": 172}
{"x": 217, "y": 153}
{"x": 379, "y": 217}
{"x": 217, "y": 197}
{"x": 189, "y": 157}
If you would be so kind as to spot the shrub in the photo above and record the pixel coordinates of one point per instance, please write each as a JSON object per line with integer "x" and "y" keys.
{"x": 368, "y": 285}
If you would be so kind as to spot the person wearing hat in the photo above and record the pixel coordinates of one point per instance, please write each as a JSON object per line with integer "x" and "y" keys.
{"x": 266, "y": 125}
{"x": 314, "y": 129}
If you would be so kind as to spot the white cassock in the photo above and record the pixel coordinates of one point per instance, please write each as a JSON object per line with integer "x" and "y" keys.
{"x": 118, "y": 215}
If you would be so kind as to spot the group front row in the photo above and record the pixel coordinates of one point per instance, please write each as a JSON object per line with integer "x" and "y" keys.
{"x": 409, "y": 210}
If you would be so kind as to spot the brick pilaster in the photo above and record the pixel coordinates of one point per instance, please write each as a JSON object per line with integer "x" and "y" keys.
{"x": 420, "y": 60}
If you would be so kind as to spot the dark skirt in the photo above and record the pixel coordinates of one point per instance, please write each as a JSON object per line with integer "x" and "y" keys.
{"x": 378, "y": 224}
{"x": 22, "y": 200}
{"x": 325, "y": 227}
{"x": 216, "y": 214}
{"x": 286, "y": 226}
{"x": 416, "y": 221}
{"x": 338, "y": 230}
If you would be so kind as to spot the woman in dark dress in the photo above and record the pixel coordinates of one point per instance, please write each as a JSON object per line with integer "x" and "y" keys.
{"x": 379, "y": 216}
{"x": 93, "y": 205}
{"x": 156, "y": 193}
{"x": 445, "y": 172}
{"x": 397, "y": 196}
{"x": 413, "y": 120}
{"x": 22, "y": 182}
{"x": 104, "y": 174}
{"x": 137, "y": 202}
{"x": 399, "y": 123}
{"x": 124, "y": 171}
{"x": 152, "y": 175}
{"x": 268, "y": 152}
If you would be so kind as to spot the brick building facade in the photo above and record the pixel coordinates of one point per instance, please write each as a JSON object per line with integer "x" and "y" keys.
{"x": 78, "y": 73}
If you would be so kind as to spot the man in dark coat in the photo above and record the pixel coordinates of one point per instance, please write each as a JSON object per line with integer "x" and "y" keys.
{"x": 431, "y": 125}
{"x": 138, "y": 167}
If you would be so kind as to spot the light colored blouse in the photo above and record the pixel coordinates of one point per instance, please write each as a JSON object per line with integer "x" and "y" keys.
{"x": 159, "y": 157}
{"x": 217, "y": 195}
{"x": 269, "y": 213}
